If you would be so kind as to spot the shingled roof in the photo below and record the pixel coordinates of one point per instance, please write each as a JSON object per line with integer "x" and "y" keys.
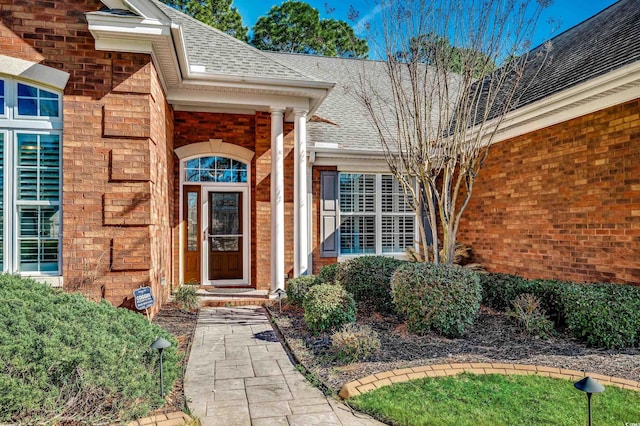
{"x": 341, "y": 119}
{"x": 219, "y": 53}
{"x": 596, "y": 46}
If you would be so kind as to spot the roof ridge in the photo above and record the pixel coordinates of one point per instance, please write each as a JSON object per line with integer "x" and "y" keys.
{"x": 231, "y": 38}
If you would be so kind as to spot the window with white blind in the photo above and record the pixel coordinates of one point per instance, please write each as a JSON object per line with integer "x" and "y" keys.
{"x": 374, "y": 215}
{"x": 30, "y": 172}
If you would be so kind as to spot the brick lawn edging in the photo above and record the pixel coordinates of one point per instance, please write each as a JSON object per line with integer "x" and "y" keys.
{"x": 386, "y": 378}
{"x": 176, "y": 418}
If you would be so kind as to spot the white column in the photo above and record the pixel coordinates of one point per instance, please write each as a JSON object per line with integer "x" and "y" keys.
{"x": 277, "y": 200}
{"x": 300, "y": 226}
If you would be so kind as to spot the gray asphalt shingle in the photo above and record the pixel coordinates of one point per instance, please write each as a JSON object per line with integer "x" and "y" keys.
{"x": 220, "y": 53}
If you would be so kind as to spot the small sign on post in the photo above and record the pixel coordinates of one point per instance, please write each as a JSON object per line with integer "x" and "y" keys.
{"x": 143, "y": 299}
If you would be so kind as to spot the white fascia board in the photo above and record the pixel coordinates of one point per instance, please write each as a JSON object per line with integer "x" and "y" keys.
{"x": 221, "y": 99}
{"x": 103, "y": 24}
{"x": 262, "y": 81}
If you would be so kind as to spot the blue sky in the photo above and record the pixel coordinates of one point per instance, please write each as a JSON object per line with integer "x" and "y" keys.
{"x": 567, "y": 12}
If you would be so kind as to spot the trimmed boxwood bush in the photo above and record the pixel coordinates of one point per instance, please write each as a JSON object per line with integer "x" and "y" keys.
{"x": 368, "y": 279}
{"x": 604, "y": 315}
{"x": 328, "y": 273}
{"x": 64, "y": 357}
{"x": 601, "y": 315}
{"x": 327, "y": 307}
{"x": 297, "y": 288}
{"x": 500, "y": 290}
{"x": 440, "y": 298}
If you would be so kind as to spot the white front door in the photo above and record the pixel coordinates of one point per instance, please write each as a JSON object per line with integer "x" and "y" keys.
{"x": 225, "y": 233}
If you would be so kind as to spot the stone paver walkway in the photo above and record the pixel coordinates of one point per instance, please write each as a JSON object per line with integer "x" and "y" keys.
{"x": 239, "y": 374}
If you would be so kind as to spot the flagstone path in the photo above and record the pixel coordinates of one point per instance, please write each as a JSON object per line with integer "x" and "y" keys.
{"x": 238, "y": 373}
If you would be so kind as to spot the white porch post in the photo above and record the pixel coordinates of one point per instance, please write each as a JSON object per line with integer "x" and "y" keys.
{"x": 277, "y": 199}
{"x": 300, "y": 226}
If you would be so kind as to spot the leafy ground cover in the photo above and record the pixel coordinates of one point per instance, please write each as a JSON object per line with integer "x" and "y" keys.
{"x": 469, "y": 399}
{"x": 65, "y": 359}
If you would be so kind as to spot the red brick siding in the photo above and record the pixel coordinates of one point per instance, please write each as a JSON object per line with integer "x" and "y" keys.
{"x": 562, "y": 202}
{"x": 317, "y": 259}
{"x": 111, "y": 104}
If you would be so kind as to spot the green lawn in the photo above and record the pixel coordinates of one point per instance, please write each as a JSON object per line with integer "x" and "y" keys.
{"x": 469, "y": 399}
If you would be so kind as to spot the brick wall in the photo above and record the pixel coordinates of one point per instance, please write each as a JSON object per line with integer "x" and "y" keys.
{"x": 254, "y": 133}
{"x": 562, "y": 202}
{"x": 317, "y": 260}
{"x": 117, "y": 148}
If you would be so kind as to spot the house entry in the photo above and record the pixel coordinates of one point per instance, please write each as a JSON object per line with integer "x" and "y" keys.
{"x": 216, "y": 217}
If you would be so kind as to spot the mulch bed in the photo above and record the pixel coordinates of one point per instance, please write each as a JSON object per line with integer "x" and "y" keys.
{"x": 493, "y": 338}
{"x": 181, "y": 325}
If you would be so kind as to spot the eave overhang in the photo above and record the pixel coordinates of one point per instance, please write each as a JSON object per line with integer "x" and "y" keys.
{"x": 187, "y": 87}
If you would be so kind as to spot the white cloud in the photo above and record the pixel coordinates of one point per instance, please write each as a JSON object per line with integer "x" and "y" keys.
{"x": 363, "y": 23}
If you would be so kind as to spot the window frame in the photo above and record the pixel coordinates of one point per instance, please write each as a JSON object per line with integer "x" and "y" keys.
{"x": 378, "y": 214}
{"x": 37, "y": 117}
{"x": 11, "y": 125}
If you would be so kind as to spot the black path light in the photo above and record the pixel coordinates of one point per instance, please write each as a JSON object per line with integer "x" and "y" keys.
{"x": 590, "y": 386}
{"x": 160, "y": 344}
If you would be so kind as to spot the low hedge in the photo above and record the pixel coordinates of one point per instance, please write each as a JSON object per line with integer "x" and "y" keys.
{"x": 440, "y": 298}
{"x": 602, "y": 315}
{"x": 368, "y": 279}
{"x": 66, "y": 358}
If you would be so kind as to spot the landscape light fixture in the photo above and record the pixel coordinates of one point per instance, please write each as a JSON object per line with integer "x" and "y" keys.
{"x": 280, "y": 293}
{"x": 160, "y": 344}
{"x": 590, "y": 386}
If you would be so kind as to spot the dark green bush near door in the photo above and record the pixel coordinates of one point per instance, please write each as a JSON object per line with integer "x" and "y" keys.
{"x": 368, "y": 279}
{"x": 440, "y": 298}
{"x": 66, "y": 358}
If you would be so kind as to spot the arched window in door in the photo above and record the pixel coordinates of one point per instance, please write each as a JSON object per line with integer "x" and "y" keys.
{"x": 215, "y": 170}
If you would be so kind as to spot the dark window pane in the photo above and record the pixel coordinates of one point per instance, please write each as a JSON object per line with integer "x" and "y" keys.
{"x": 27, "y": 184}
{"x": 48, "y": 95}
{"x": 207, "y": 162}
{"x": 1, "y": 88}
{"x": 49, "y": 108}
{"x": 25, "y": 90}
{"x": 29, "y": 255}
{"x": 193, "y": 164}
{"x": 27, "y": 107}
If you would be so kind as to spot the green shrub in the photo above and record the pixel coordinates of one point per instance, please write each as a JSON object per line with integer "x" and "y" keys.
{"x": 355, "y": 342}
{"x": 327, "y": 307}
{"x": 499, "y": 290}
{"x": 187, "y": 298}
{"x": 529, "y": 316}
{"x": 368, "y": 279}
{"x": 604, "y": 315}
{"x": 77, "y": 361}
{"x": 297, "y": 288}
{"x": 328, "y": 273}
{"x": 440, "y": 298}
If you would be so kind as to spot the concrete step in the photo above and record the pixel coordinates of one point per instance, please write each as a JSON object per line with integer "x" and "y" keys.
{"x": 225, "y": 296}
